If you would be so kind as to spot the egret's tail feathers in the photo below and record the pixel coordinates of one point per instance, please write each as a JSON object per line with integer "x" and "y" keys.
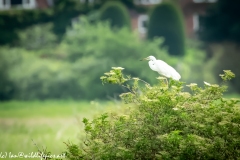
{"x": 176, "y": 76}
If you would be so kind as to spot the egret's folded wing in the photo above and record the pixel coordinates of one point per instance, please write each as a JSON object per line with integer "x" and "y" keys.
{"x": 167, "y": 70}
{"x": 163, "y": 68}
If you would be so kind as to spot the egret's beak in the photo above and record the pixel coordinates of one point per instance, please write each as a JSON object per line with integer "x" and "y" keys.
{"x": 146, "y": 59}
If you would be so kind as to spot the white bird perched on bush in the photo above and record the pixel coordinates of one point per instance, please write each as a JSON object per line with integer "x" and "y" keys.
{"x": 162, "y": 68}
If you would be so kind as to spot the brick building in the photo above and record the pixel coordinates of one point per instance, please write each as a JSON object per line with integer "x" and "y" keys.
{"x": 25, "y": 4}
{"x": 191, "y": 10}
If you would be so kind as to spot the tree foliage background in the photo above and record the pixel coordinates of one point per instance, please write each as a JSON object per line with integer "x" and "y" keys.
{"x": 166, "y": 20}
{"x": 56, "y": 54}
{"x": 116, "y": 13}
{"x": 220, "y": 31}
{"x": 73, "y": 67}
{"x": 221, "y": 22}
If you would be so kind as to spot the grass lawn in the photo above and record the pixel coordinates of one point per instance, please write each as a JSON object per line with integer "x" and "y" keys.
{"x": 46, "y": 123}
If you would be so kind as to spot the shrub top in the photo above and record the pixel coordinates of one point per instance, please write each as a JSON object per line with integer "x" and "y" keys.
{"x": 164, "y": 123}
{"x": 166, "y": 20}
{"x": 116, "y": 13}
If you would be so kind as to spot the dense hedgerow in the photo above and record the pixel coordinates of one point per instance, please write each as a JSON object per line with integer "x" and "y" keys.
{"x": 164, "y": 123}
{"x": 166, "y": 20}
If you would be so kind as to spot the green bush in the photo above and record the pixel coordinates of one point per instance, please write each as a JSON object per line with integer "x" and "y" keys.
{"x": 92, "y": 48}
{"x": 37, "y": 37}
{"x": 164, "y": 122}
{"x": 192, "y": 65}
{"x": 70, "y": 69}
{"x": 116, "y": 13}
{"x": 61, "y": 14}
{"x": 75, "y": 65}
{"x": 225, "y": 55}
{"x": 166, "y": 20}
{"x": 7, "y": 86}
{"x": 12, "y": 21}
{"x": 26, "y": 76}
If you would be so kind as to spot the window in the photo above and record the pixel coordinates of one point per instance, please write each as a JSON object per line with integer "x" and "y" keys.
{"x": 5, "y": 4}
{"x": 147, "y": 2}
{"x": 142, "y": 23}
{"x": 29, "y": 4}
{"x": 89, "y": 1}
{"x": 198, "y": 1}
{"x": 16, "y": 2}
{"x": 212, "y": 1}
{"x": 195, "y": 22}
{"x": 50, "y": 2}
{"x": 204, "y": 1}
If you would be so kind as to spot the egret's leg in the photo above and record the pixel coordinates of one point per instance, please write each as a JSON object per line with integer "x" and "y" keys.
{"x": 163, "y": 79}
{"x": 167, "y": 82}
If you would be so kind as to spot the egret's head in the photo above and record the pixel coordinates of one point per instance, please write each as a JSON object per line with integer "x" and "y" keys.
{"x": 149, "y": 58}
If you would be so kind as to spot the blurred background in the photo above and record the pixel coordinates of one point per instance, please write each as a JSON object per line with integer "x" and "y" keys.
{"x": 53, "y": 52}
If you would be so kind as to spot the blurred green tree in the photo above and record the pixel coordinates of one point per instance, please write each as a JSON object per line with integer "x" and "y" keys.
{"x": 166, "y": 20}
{"x": 37, "y": 37}
{"x": 98, "y": 4}
{"x": 61, "y": 14}
{"x": 225, "y": 56}
{"x": 93, "y": 48}
{"x": 12, "y": 21}
{"x": 26, "y": 76}
{"x": 72, "y": 68}
{"x": 6, "y": 84}
{"x": 64, "y": 11}
{"x": 116, "y": 13}
{"x": 221, "y": 22}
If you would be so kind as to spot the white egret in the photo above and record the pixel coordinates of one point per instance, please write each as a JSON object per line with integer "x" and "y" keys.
{"x": 162, "y": 68}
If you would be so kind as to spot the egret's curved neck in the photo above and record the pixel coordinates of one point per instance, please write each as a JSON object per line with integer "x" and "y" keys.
{"x": 153, "y": 60}
{"x": 152, "y": 65}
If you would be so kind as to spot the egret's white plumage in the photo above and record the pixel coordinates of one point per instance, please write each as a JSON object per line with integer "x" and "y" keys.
{"x": 162, "y": 68}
